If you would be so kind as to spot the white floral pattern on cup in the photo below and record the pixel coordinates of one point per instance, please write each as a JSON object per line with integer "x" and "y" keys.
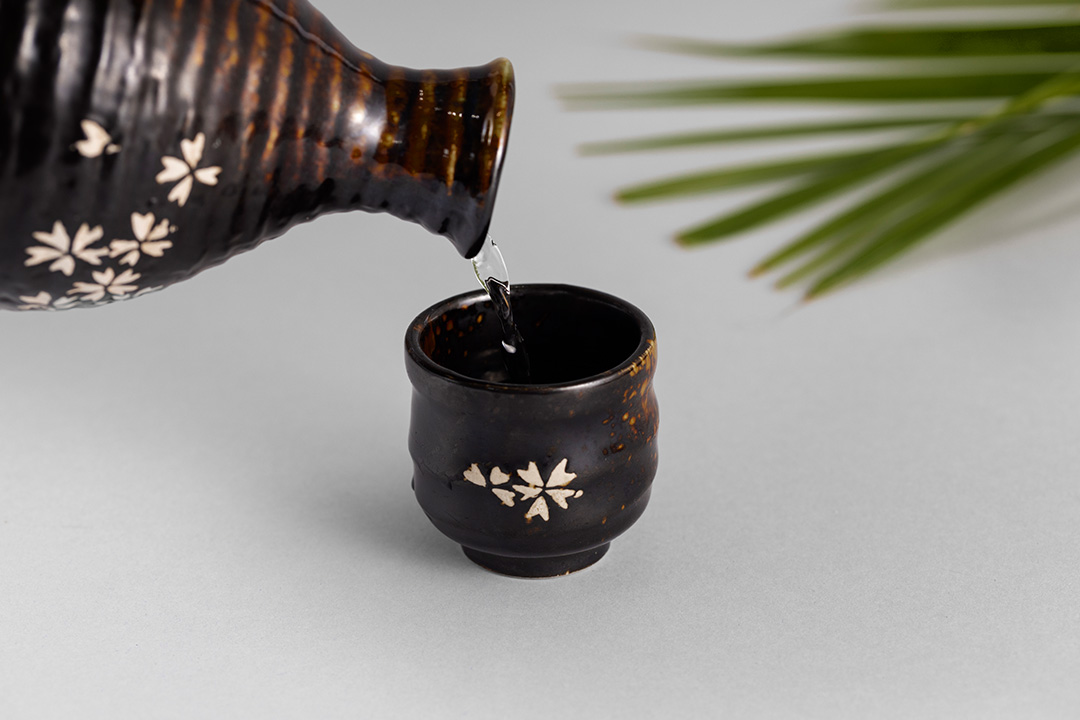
{"x": 534, "y": 489}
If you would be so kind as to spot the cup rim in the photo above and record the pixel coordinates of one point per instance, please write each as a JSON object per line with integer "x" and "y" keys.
{"x": 646, "y": 346}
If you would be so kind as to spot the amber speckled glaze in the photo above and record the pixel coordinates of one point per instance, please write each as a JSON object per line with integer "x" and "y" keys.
{"x": 284, "y": 118}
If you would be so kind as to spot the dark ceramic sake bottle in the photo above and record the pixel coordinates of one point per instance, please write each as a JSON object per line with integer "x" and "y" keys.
{"x": 142, "y": 141}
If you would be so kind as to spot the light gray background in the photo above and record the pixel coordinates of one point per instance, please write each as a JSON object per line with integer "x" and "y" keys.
{"x": 867, "y": 507}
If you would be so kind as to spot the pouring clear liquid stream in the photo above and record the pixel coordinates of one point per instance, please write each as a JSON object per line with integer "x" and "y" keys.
{"x": 490, "y": 269}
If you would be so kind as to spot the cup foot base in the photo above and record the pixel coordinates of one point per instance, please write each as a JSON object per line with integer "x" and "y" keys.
{"x": 536, "y": 567}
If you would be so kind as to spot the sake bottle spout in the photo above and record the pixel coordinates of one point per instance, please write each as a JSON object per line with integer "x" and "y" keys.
{"x": 442, "y": 148}
{"x": 426, "y": 146}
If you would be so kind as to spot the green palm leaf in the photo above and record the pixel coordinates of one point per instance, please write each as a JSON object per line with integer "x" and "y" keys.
{"x": 905, "y": 4}
{"x": 945, "y": 207}
{"x": 968, "y": 157}
{"x": 839, "y": 233}
{"x": 726, "y": 178}
{"x": 878, "y": 87}
{"x": 890, "y": 42}
{"x": 829, "y": 182}
{"x": 717, "y": 137}
{"x": 947, "y": 165}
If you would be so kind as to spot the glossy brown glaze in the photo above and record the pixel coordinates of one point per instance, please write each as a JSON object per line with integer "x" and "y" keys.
{"x": 297, "y": 120}
{"x": 592, "y": 413}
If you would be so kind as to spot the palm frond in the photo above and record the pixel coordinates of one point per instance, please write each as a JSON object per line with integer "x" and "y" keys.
{"x": 856, "y": 88}
{"x": 948, "y": 164}
{"x": 717, "y": 137}
{"x": 821, "y": 187}
{"x": 726, "y": 178}
{"x": 911, "y": 4}
{"x": 900, "y": 42}
{"x": 942, "y": 208}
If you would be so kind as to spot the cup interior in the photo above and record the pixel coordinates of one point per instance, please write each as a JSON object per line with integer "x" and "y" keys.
{"x": 571, "y": 334}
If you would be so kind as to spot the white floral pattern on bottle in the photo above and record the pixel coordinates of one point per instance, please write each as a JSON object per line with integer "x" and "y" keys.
{"x": 185, "y": 171}
{"x": 62, "y": 250}
{"x": 149, "y": 240}
{"x": 97, "y": 142}
{"x": 112, "y": 282}
{"x": 44, "y": 301}
{"x": 535, "y": 488}
{"x": 107, "y": 282}
{"x": 140, "y": 292}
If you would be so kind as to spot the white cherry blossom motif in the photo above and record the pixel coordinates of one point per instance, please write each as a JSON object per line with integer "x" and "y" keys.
{"x": 149, "y": 240}
{"x": 185, "y": 171}
{"x": 535, "y": 488}
{"x": 57, "y": 246}
{"x": 41, "y": 301}
{"x": 498, "y": 477}
{"x": 44, "y": 301}
{"x": 555, "y": 488}
{"x": 97, "y": 141}
{"x": 107, "y": 282}
{"x": 139, "y": 293}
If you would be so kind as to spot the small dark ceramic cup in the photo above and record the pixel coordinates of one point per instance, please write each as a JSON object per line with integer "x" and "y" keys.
{"x": 535, "y": 479}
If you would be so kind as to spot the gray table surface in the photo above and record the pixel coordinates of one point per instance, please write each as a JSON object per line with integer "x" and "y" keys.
{"x": 866, "y": 507}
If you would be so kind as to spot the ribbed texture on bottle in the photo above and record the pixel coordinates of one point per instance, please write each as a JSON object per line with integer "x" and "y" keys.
{"x": 318, "y": 126}
{"x": 297, "y": 120}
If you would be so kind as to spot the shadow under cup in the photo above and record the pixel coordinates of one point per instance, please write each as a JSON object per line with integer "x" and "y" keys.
{"x": 533, "y": 479}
